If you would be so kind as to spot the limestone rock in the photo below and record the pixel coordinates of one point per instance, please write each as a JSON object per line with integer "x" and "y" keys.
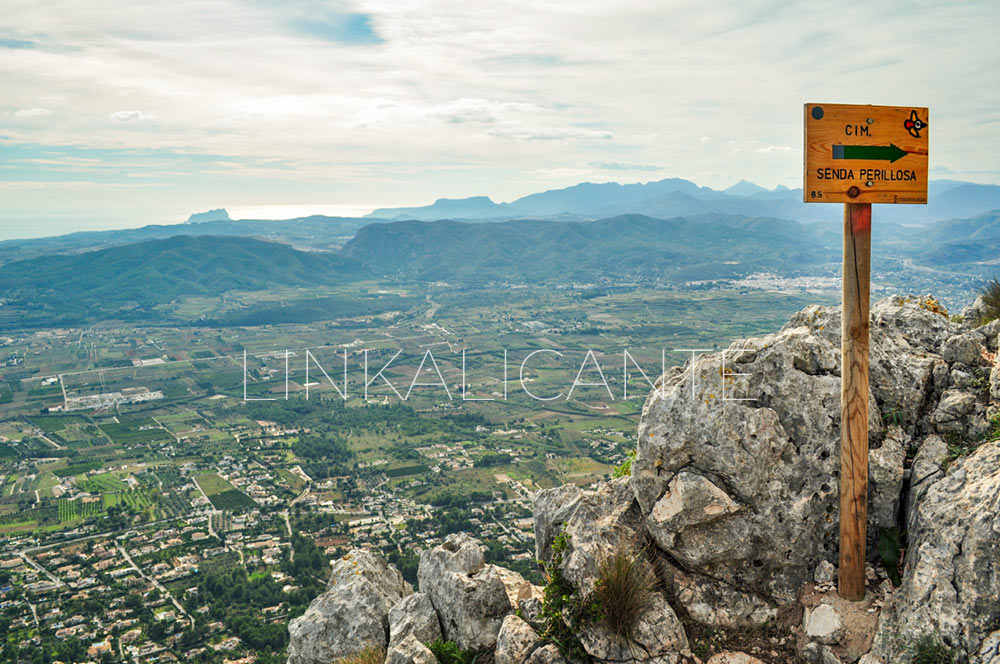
{"x": 414, "y": 615}
{"x": 823, "y": 624}
{"x": 989, "y": 652}
{"x": 951, "y": 580}
{"x": 733, "y": 658}
{"x": 974, "y": 314}
{"x": 469, "y": 596}
{"x": 713, "y": 603}
{"x": 825, "y": 572}
{"x": 351, "y": 614}
{"x": 762, "y": 474}
{"x": 410, "y": 650}
{"x": 885, "y": 477}
{"x": 515, "y": 642}
{"x": 658, "y": 636}
{"x": 531, "y": 610}
{"x": 516, "y": 586}
{"x": 595, "y": 520}
{"x": 546, "y": 655}
{"x": 952, "y": 411}
{"x": 927, "y": 468}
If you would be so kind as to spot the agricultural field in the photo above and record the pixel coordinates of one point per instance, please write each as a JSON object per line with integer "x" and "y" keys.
{"x": 79, "y": 508}
{"x": 232, "y": 501}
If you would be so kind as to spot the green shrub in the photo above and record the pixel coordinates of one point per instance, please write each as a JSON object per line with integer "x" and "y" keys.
{"x": 929, "y": 649}
{"x": 993, "y": 433}
{"x": 625, "y": 469}
{"x": 562, "y": 604}
{"x": 448, "y": 652}
{"x": 624, "y": 589}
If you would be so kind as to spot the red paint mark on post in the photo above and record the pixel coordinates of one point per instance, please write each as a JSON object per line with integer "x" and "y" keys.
{"x": 861, "y": 217}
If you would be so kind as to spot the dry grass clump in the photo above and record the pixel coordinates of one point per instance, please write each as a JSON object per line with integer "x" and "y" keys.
{"x": 991, "y": 298}
{"x": 367, "y": 655}
{"x": 624, "y": 589}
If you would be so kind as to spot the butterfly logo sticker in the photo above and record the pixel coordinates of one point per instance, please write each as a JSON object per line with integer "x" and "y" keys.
{"x": 914, "y": 124}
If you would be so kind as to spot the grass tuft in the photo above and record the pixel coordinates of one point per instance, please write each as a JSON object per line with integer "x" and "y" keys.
{"x": 367, "y": 655}
{"x": 991, "y": 299}
{"x": 624, "y": 589}
{"x": 929, "y": 649}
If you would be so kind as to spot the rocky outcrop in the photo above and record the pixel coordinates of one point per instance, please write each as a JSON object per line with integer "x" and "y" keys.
{"x": 951, "y": 584}
{"x": 352, "y": 614}
{"x": 733, "y": 502}
{"x": 738, "y": 457}
{"x": 470, "y": 597}
{"x": 594, "y": 523}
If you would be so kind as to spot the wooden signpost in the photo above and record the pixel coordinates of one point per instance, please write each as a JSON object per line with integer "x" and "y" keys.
{"x": 859, "y": 155}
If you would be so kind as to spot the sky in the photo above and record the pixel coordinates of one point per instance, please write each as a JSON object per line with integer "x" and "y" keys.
{"x": 122, "y": 113}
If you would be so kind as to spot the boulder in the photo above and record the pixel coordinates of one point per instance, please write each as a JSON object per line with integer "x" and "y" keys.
{"x": 470, "y": 597}
{"x": 548, "y": 654}
{"x": 658, "y": 637}
{"x": 353, "y": 612}
{"x": 414, "y": 614}
{"x": 515, "y": 642}
{"x": 823, "y": 624}
{"x": 951, "y": 579}
{"x": 825, "y": 572}
{"x": 410, "y": 650}
{"x": 733, "y": 658}
{"x": 595, "y": 522}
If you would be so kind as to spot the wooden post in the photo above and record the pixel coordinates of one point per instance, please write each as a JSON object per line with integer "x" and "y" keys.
{"x": 854, "y": 401}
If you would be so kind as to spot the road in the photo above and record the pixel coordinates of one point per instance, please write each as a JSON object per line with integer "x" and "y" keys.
{"x": 288, "y": 524}
{"x": 51, "y": 442}
{"x": 41, "y": 569}
{"x": 159, "y": 586}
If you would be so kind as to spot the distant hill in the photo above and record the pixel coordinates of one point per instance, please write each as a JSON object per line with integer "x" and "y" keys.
{"x": 744, "y": 188}
{"x": 129, "y": 280}
{"x": 673, "y": 197}
{"x": 314, "y": 232}
{"x": 629, "y": 246}
{"x": 475, "y": 207}
{"x": 219, "y": 214}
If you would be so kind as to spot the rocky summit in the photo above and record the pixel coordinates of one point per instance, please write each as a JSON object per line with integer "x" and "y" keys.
{"x": 731, "y": 507}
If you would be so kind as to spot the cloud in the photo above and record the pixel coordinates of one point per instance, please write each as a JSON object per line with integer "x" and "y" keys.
{"x": 32, "y": 113}
{"x": 619, "y": 166}
{"x": 128, "y": 116}
{"x": 484, "y": 111}
{"x": 385, "y": 101}
{"x": 549, "y": 134}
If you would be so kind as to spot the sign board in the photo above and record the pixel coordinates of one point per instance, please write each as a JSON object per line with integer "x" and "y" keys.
{"x": 865, "y": 154}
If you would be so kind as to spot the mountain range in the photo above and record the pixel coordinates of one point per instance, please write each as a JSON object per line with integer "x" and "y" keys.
{"x": 681, "y": 233}
{"x": 674, "y": 197}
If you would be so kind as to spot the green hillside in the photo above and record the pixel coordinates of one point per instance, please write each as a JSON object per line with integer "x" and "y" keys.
{"x": 129, "y": 281}
{"x": 628, "y": 246}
